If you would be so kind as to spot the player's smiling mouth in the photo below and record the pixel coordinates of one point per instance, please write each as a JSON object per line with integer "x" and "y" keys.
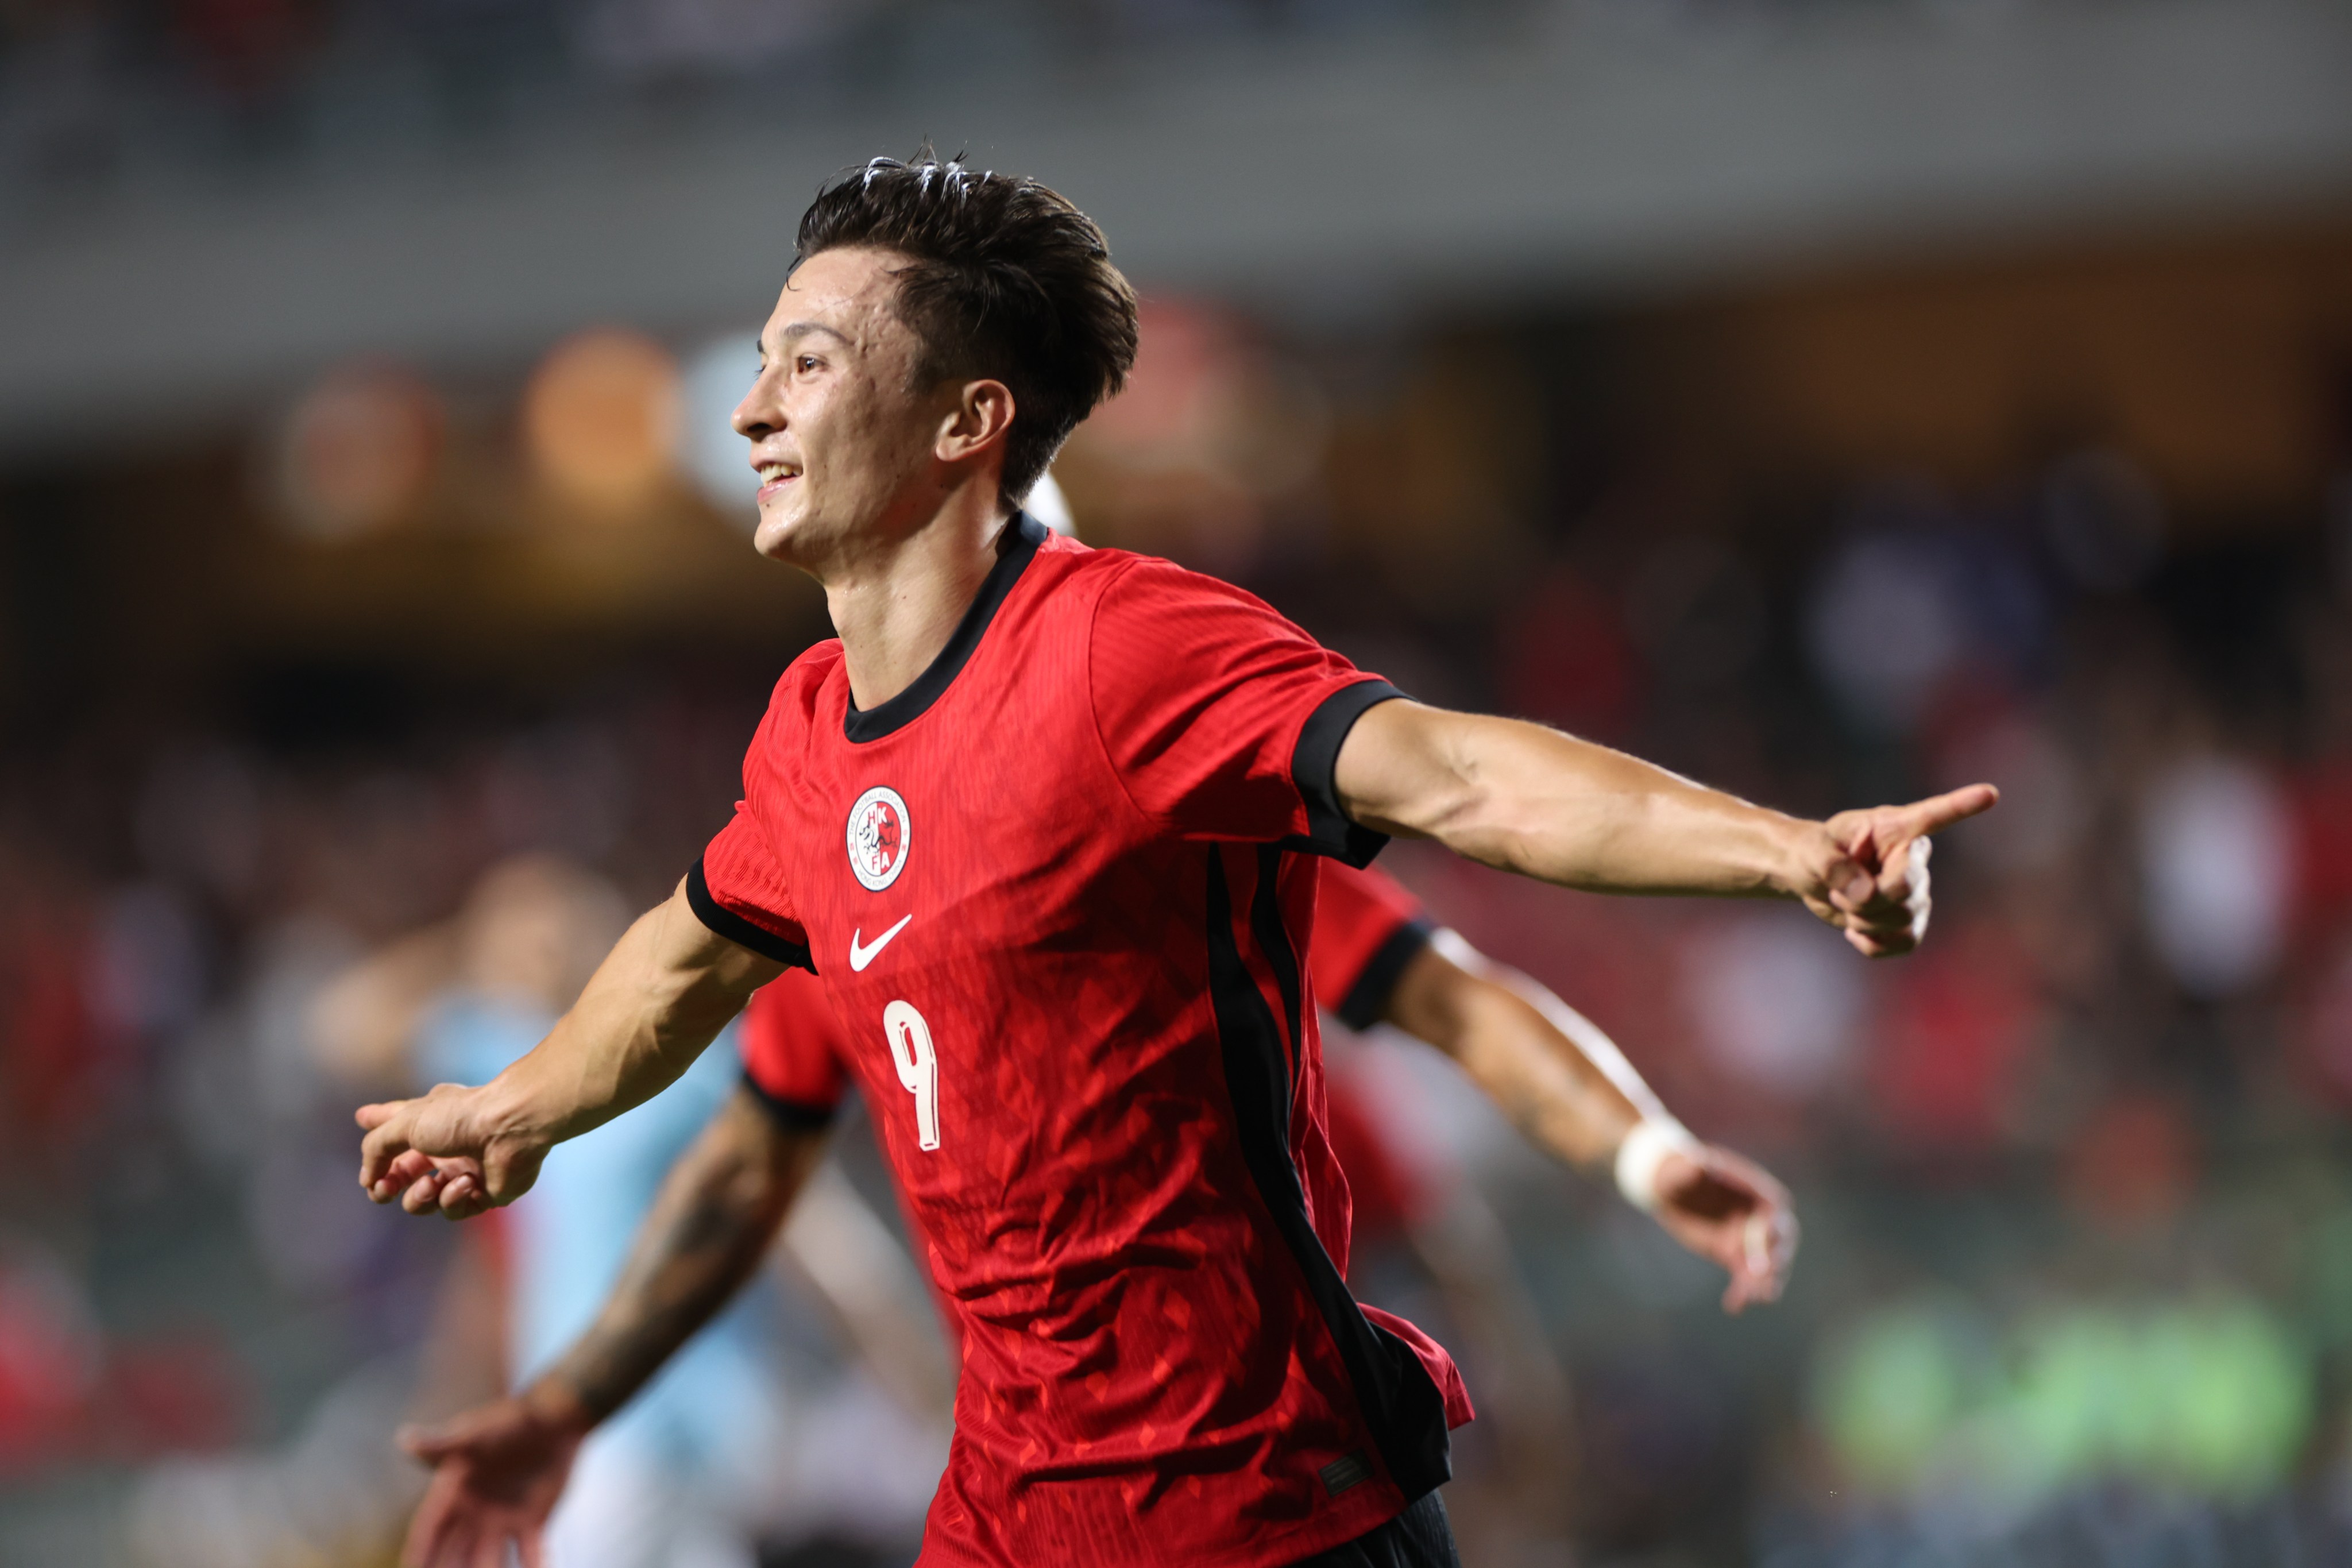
{"x": 774, "y": 475}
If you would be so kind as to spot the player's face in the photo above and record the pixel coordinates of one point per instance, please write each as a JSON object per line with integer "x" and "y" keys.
{"x": 842, "y": 440}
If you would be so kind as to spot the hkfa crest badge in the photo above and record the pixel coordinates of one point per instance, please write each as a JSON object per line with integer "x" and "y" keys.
{"x": 879, "y": 834}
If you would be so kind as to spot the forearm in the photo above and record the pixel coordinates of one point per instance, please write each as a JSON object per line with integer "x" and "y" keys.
{"x": 1534, "y": 1071}
{"x": 716, "y": 1216}
{"x": 658, "y": 999}
{"x": 1588, "y": 1044}
{"x": 1524, "y": 798}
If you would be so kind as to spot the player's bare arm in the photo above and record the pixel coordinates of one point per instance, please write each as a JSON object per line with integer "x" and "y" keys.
{"x": 1542, "y": 1064}
{"x": 1528, "y": 799}
{"x": 665, "y": 990}
{"x": 498, "y": 1469}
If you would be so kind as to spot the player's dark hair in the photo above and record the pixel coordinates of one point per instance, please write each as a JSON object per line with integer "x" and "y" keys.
{"x": 1003, "y": 279}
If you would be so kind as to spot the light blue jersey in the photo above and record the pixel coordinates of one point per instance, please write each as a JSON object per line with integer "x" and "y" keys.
{"x": 571, "y": 1232}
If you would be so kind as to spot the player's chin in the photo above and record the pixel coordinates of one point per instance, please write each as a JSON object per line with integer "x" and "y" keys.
{"x": 779, "y": 534}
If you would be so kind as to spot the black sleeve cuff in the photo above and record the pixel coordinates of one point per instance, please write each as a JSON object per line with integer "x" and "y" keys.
{"x": 1314, "y": 763}
{"x": 792, "y": 1115}
{"x": 739, "y": 930}
{"x": 1367, "y": 998}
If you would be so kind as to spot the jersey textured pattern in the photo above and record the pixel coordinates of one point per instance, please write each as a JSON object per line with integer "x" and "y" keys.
{"x": 1057, "y": 894}
{"x": 1367, "y": 926}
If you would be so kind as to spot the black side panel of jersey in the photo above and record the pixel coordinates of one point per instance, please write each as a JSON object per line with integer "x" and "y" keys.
{"x": 1402, "y": 1406}
{"x": 1273, "y": 942}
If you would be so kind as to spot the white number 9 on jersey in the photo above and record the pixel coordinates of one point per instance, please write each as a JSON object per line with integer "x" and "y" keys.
{"x": 919, "y": 1066}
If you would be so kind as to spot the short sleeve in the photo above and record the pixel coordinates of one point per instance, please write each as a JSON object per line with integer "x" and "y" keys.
{"x": 738, "y": 887}
{"x": 793, "y": 1052}
{"x": 1366, "y": 930}
{"x": 1223, "y": 720}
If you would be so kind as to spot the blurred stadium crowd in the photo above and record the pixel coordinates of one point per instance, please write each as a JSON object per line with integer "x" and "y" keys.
{"x": 93, "y": 92}
{"x": 2077, "y": 1282}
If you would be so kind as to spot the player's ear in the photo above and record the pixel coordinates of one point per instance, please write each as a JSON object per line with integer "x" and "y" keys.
{"x": 980, "y": 418}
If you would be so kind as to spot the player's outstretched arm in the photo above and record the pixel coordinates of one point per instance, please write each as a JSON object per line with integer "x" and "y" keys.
{"x": 1566, "y": 1085}
{"x": 669, "y": 985}
{"x": 498, "y": 1469}
{"x": 1531, "y": 800}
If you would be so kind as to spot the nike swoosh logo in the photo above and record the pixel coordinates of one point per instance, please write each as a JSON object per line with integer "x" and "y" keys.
{"x": 859, "y": 957}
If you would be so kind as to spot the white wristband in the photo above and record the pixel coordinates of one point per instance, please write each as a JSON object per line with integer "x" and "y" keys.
{"x": 1643, "y": 1149}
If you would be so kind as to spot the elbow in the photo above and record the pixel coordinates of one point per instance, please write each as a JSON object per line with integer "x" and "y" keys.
{"x": 1459, "y": 805}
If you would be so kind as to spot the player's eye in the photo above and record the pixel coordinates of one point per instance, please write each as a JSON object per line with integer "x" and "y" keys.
{"x": 806, "y": 363}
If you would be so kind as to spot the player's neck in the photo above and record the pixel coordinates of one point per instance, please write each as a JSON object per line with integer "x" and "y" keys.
{"x": 898, "y": 607}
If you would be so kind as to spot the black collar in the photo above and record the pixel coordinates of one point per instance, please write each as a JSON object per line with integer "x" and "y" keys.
{"x": 1022, "y": 537}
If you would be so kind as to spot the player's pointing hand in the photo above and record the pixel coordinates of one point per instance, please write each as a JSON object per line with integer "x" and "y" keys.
{"x": 450, "y": 1151}
{"x": 1866, "y": 871}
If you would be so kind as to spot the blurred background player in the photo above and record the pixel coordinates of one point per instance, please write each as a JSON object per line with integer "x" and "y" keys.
{"x": 665, "y": 1483}
{"x": 719, "y": 1453}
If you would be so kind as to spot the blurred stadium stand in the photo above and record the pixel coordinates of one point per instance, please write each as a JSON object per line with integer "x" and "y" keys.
{"x": 211, "y": 196}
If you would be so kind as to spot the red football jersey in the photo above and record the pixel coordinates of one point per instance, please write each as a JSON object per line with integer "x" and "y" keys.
{"x": 1367, "y": 928}
{"x": 1057, "y": 894}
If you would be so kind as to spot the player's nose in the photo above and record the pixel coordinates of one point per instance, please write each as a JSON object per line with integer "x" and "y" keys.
{"x": 759, "y": 414}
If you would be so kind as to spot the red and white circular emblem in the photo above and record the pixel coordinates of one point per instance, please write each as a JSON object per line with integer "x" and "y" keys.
{"x": 878, "y": 835}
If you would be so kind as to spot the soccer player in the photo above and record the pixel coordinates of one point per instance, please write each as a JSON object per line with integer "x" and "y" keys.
{"x": 1041, "y": 820}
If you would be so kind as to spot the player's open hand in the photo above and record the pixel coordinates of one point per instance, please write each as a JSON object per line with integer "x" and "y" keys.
{"x": 496, "y": 1473}
{"x": 1729, "y": 1209}
{"x": 1865, "y": 872}
{"x": 452, "y": 1152}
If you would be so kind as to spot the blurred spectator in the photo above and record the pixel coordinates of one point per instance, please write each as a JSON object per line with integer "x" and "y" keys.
{"x": 61, "y": 1062}
{"x": 49, "y": 1360}
{"x": 1567, "y": 661}
{"x": 1914, "y": 599}
{"x": 2103, "y": 519}
{"x": 1953, "y": 1034}
{"x": 649, "y": 37}
{"x": 1776, "y": 1001}
{"x": 2326, "y": 1034}
{"x": 2132, "y": 1162}
{"x": 2217, "y": 847}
